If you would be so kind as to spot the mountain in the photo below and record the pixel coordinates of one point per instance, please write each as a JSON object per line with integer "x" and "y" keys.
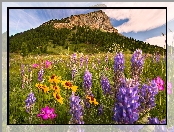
{"x": 89, "y": 33}
{"x": 95, "y": 20}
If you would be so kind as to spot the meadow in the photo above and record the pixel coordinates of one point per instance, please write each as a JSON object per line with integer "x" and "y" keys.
{"x": 87, "y": 89}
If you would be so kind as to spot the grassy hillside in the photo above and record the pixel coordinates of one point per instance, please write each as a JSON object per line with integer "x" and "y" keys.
{"x": 45, "y": 37}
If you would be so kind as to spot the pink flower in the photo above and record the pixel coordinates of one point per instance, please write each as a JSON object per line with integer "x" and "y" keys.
{"x": 47, "y": 64}
{"x": 160, "y": 83}
{"x": 47, "y": 113}
{"x": 169, "y": 87}
{"x": 35, "y": 66}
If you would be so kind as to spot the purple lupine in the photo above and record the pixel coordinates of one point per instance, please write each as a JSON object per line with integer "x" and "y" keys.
{"x": 47, "y": 113}
{"x": 119, "y": 62}
{"x": 76, "y": 110}
{"x": 156, "y": 121}
{"x": 126, "y": 107}
{"x": 137, "y": 62}
{"x": 87, "y": 104}
{"x": 74, "y": 71}
{"x": 81, "y": 60}
{"x": 157, "y": 58}
{"x": 30, "y": 101}
{"x": 118, "y": 71}
{"x": 40, "y": 74}
{"x": 87, "y": 80}
{"x": 147, "y": 95}
{"x": 74, "y": 58}
{"x": 105, "y": 85}
{"x": 87, "y": 84}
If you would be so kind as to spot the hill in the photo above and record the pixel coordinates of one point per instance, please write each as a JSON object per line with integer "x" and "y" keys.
{"x": 91, "y": 32}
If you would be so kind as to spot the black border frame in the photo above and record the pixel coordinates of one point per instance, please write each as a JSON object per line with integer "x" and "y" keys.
{"x": 8, "y": 8}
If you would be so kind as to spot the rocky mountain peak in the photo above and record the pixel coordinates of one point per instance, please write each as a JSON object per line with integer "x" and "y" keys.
{"x": 95, "y": 20}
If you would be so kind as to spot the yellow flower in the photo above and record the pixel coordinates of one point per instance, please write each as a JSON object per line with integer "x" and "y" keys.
{"x": 55, "y": 88}
{"x": 45, "y": 89}
{"x": 74, "y": 88}
{"x": 92, "y": 100}
{"x": 58, "y": 97}
{"x": 39, "y": 86}
{"x": 67, "y": 84}
{"x": 54, "y": 79}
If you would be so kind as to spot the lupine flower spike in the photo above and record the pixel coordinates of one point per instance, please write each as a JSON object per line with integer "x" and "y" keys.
{"x": 76, "y": 110}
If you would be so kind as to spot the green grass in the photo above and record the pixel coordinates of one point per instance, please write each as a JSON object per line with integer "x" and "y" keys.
{"x": 17, "y": 95}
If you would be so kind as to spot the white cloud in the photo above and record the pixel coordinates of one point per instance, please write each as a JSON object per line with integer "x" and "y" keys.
{"x": 160, "y": 40}
{"x": 141, "y": 19}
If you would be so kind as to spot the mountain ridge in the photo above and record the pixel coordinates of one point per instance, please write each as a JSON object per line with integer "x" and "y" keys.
{"x": 95, "y": 20}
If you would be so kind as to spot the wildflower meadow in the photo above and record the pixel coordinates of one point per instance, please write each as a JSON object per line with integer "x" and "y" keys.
{"x": 103, "y": 88}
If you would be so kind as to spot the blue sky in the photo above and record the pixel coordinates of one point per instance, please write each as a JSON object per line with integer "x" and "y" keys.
{"x": 143, "y": 25}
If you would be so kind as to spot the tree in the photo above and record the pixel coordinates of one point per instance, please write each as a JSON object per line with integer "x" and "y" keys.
{"x": 24, "y": 49}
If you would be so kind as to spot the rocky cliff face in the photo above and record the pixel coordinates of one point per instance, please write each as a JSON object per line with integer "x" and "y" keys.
{"x": 95, "y": 20}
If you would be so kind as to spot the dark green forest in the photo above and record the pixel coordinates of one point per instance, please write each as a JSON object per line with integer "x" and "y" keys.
{"x": 39, "y": 39}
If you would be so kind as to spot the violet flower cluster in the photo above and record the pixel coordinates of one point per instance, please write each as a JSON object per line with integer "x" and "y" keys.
{"x": 73, "y": 59}
{"x": 126, "y": 107}
{"x": 73, "y": 71}
{"x": 47, "y": 113}
{"x": 87, "y": 80}
{"x": 105, "y": 85}
{"x": 40, "y": 74}
{"x": 147, "y": 95}
{"x": 119, "y": 62}
{"x": 87, "y": 84}
{"x": 30, "y": 101}
{"x": 81, "y": 60}
{"x": 156, "y": 121}
{"x": 76, "y": 110}
{"x": 157, "y": 58}
{"x": 137, "y": 62}
{"x": 118, "y": 70}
